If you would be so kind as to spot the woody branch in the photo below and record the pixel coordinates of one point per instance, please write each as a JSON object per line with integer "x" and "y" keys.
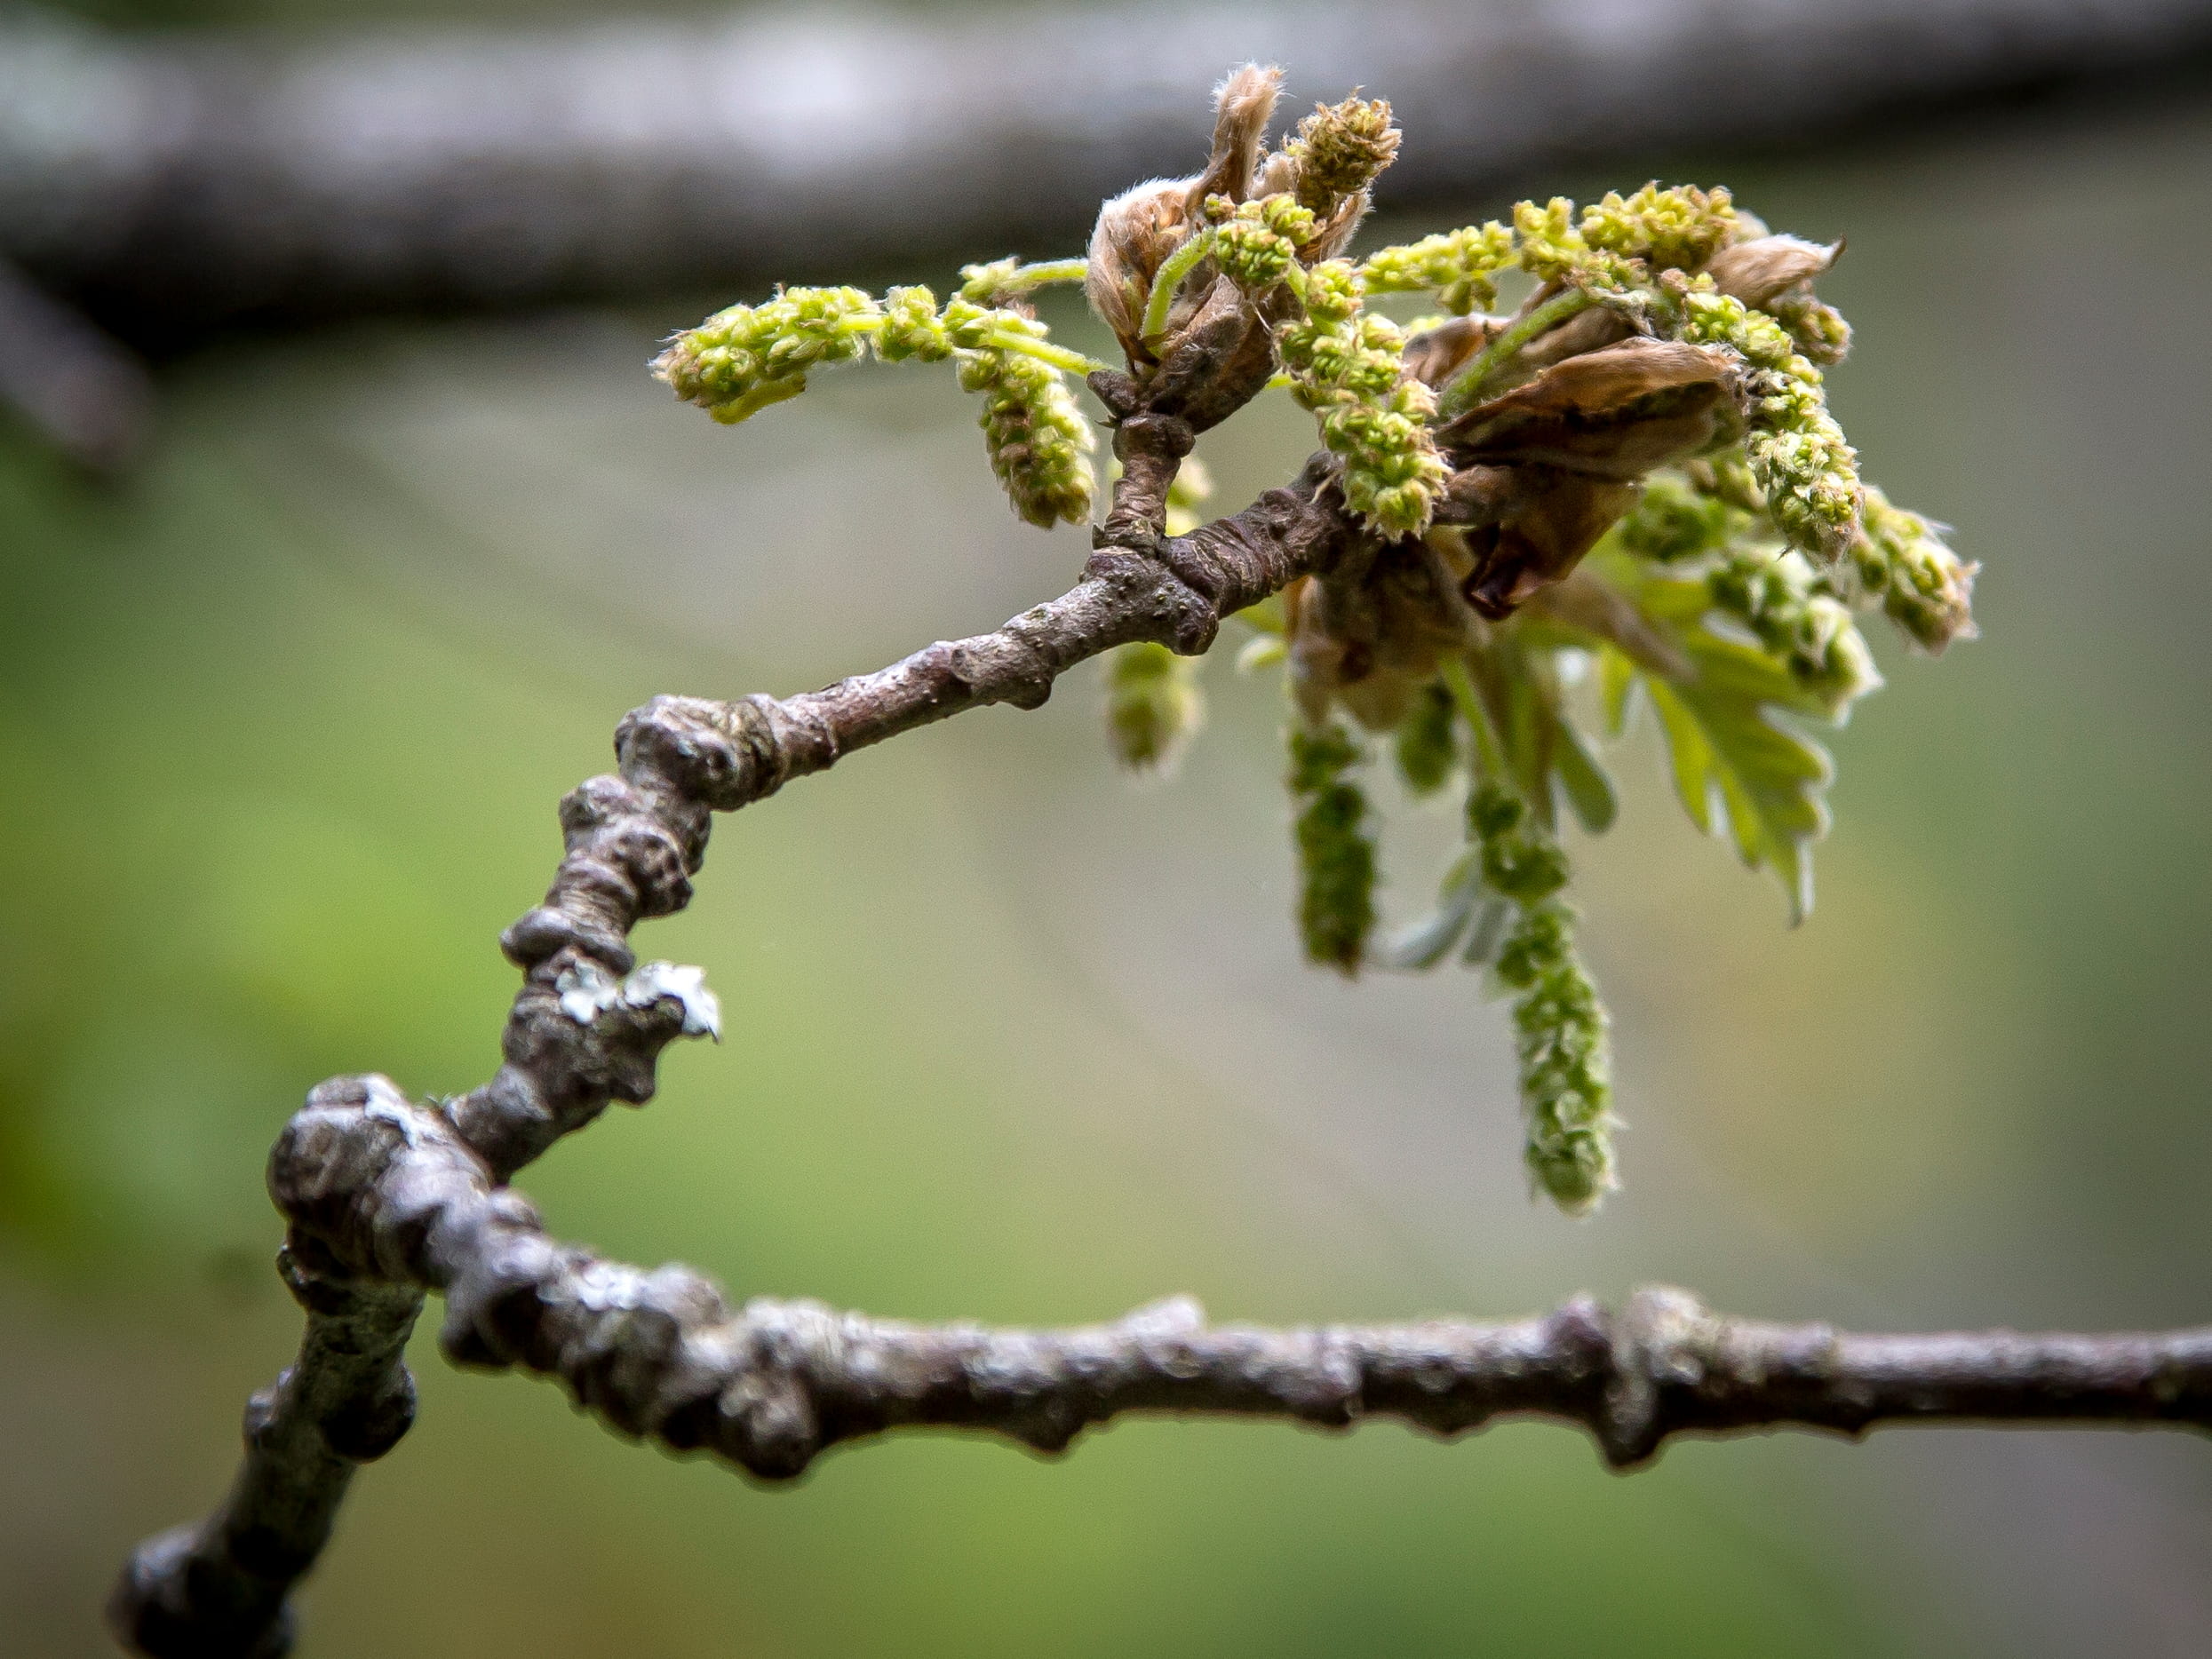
{"x": 387, "y": 1197}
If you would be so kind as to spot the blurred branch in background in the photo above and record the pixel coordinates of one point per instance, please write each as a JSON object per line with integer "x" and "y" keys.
{"x": 171, "y": 185}
{"x": 83, "y": 392}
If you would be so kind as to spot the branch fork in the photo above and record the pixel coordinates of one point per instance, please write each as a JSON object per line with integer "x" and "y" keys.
{"x": 387, "y": 1198}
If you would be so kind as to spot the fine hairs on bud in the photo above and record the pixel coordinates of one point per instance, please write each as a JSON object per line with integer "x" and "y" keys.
{"x": 1243, "y": 104}
{"x": 1138, "y": 229}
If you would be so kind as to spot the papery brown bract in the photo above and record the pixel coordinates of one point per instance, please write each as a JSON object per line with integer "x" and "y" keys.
{"x": 1139, "y": 229}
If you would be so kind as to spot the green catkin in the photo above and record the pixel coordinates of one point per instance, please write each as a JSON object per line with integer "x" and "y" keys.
{"x": 1819, "y": 330}
{"x": 1336, "y": 856}
{"x": 1257, "y": 242}
{"x": 1799, "y": 456}
{"x": 1926, "y": 588}
{"x": 1426, "y": 743}
{"x": 1036, "y": 436}
{"x": 1784, "y": 603}
{"x": 1348, "y": 367}
{"x": 1558, "y": 1021}
{"x": 1154, "y": 707}
{"x": 1565, "y": 1090}
{"x": 741, "y": 359}
{"x": 1781, "y": 600}
{"x": 1459, "y": 267}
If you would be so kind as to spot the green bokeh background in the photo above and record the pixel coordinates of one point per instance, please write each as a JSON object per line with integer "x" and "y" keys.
{"x": 281, "y": 727}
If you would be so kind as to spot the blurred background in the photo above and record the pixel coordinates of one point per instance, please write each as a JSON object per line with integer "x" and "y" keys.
{"x": 336, "y": 569}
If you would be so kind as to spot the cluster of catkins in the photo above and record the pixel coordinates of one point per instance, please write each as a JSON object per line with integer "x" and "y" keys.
{"x": 1635, "y": 467}
{"x": 1626, "y": 488}
{"x": 741, "y": 359}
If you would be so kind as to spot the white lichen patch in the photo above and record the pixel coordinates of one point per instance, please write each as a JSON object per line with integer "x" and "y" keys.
{"x": 587, "y": 991}
{"x": 387, "y": 1105}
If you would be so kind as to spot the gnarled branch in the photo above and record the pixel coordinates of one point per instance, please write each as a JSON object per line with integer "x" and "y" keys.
{"x": 387, "y": 1198}
{"x": 361, "y": 1247}
{"x": 395, "y": 1193}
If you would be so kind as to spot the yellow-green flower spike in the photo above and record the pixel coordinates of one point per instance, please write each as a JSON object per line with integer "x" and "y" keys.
{"x": 1926, "y": 588}
{"x": 1257, "y": 242}
{"x": 1038, "y": 438}
{"x": 1154, "y": 707}
{"x": 1566, "y": 1092}
{"x": 1520, "y": 862}
{"x": 1560, "y": 1025}
{"x": 1779, "y": 599}
{"x": 1336, "y": 858}
{"x": 1807, "y": 470}
{"x": 740, "y": 360}
{"x": 1674, "y": 229}
{"x": 1348, "y": 367}
{"x": 1819, "y": 330}
{"x": 1459, "y": 267}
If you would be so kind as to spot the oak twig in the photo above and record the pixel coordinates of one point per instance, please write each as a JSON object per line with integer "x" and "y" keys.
{"x": 368, "y": 1232}
{"x": 387, "y": 1197}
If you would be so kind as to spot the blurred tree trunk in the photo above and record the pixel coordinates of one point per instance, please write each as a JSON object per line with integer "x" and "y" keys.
{"x": 168, "y": 186}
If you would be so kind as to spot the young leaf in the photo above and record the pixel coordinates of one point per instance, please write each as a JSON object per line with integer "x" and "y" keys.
{"x": 1736, "y": 765}
{"x": 1516, "y": 673}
